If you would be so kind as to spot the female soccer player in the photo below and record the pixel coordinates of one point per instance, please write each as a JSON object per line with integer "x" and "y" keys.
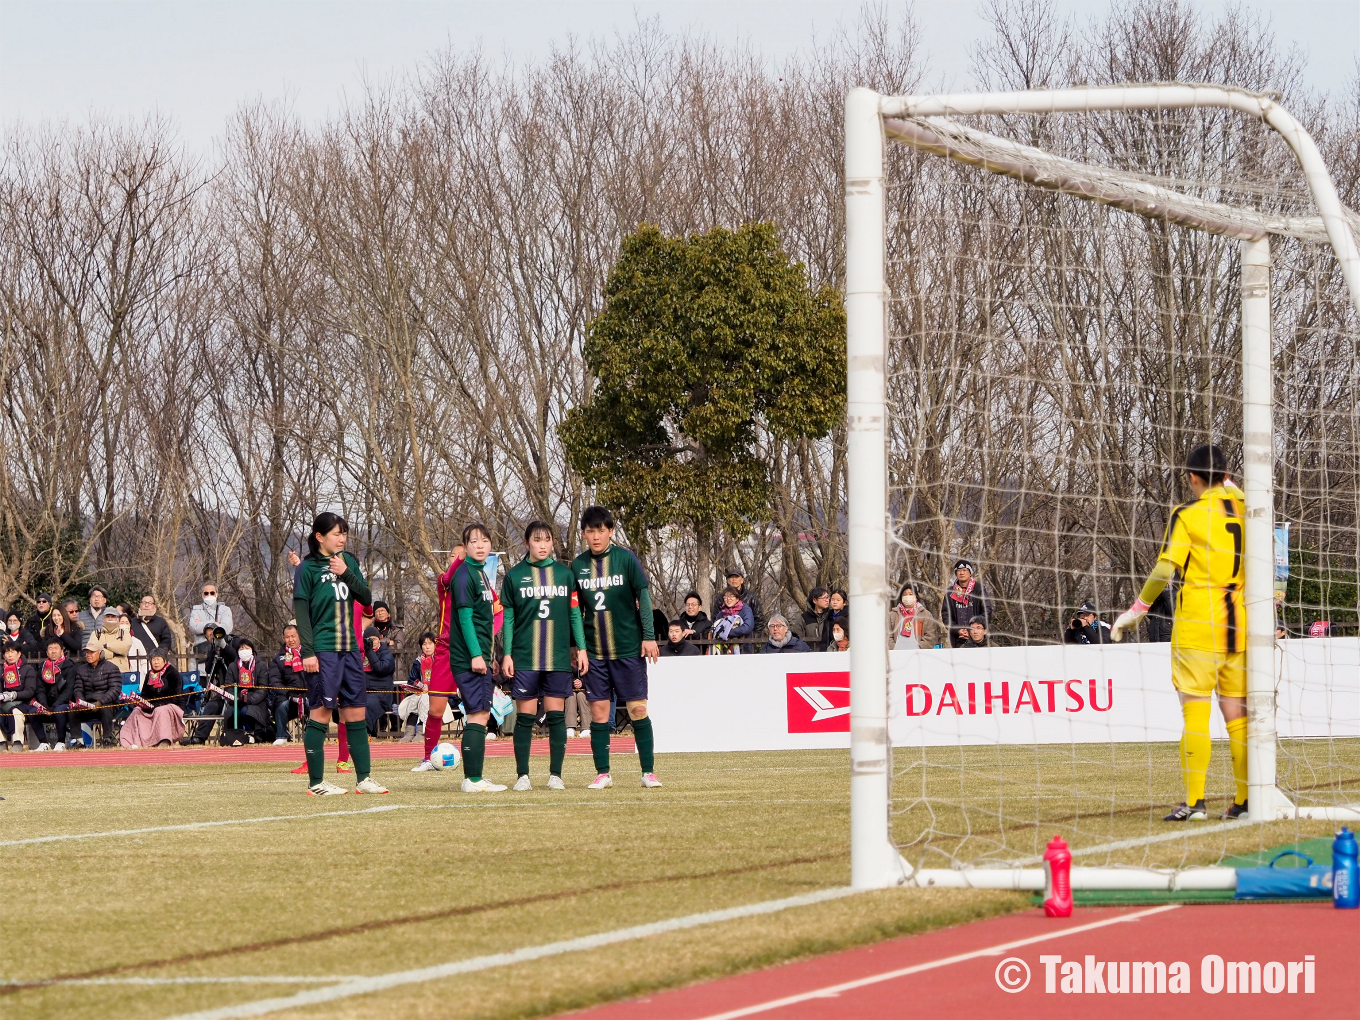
{"x": 470, "y": 643}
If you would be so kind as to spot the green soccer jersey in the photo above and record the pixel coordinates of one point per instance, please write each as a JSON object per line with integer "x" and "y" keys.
{"x": 539, "y": 599}
{"x": 474, "y": 610}
{"x": 324, "y": 604}
{"x": 616, "y": 606}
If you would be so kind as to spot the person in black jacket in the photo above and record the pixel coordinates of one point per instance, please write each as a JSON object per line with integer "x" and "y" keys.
{"x": 1161, "y": 615}
{"x": 962, "y": 603}
{"x": 219, "y": 669}
{"x": 56, "y": 688}
{"x": 41, "y": 620}
{"x": 287, "y": 684}
{"x": 17, "y": 634}
{"x": 379, "y": 667}
{"x": 782, "y": 639}
{"x": 694, "y": 620}
{"x": 249, "y": 684}
{"x": 151, "y": 629}
{"x": 1086, "y": 628}
{"x": 158, "y": 719}
{"x": 98, "y": 688}
{"x": 675, "y": 643}
{"x": 816, "y": 623}
{"x": 18, "y": 689}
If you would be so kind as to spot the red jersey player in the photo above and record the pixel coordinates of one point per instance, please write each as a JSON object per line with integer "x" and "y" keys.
{"x": 441, "y": 677}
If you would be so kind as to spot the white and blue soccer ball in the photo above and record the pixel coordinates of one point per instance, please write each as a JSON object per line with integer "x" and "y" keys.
{"x": 445, "y": 756}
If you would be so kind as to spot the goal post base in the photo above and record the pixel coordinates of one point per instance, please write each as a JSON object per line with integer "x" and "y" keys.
{"x": 1032, "y": 879}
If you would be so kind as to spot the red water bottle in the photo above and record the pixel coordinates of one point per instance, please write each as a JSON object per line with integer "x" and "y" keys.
{"x": 1058, "y": 879}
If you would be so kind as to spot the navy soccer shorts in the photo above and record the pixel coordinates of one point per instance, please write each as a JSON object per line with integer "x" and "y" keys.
{"x": 475, "y": 689}
{"x": 339, "y": 682}
{"x": 540, "y": 683}
{"x": 621, "y": 679}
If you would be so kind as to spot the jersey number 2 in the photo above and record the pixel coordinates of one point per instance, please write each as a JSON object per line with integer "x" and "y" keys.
{"x": 599, "y": 602}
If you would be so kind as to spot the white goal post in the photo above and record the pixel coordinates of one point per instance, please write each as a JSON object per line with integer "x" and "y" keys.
{"x": 871, "y": 122}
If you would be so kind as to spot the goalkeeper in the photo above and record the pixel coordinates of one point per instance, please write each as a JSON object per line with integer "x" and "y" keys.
{"x": 1208, "y": 639}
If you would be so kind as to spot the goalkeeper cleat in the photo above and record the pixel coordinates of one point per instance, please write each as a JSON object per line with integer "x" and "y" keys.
{"x": 522, "y": 784}
{"x": 424, "y": 766}
{"x": 481, "y": 786}
{"x": 325, "y": 789}
{"x": 602, "y": 781}
{"x": 555, "y": 783}
{"x": 370, "y": 785}
{"x": 344, "y": 766}
{"x": 1196, "y": 812}
{"x": 1235, "y": 811}
{"x": 649, "y": 780}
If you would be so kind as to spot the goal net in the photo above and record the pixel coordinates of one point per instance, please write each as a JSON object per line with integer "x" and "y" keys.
{"x": 1073, "y": 289}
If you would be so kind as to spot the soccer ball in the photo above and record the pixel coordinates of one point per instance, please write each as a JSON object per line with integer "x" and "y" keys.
{"x": 445, "y": 756}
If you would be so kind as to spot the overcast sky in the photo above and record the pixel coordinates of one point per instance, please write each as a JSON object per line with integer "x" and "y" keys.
{"x": 197, "y": 60}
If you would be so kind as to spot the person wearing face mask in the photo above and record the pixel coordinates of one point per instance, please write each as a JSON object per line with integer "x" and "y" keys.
{"x": 111, "y": 637}
{"x": 208, "y": 613}
{"x": 252, "y": 695}
{"x": 20, "y": 636}
{"x": 914, "y": 625}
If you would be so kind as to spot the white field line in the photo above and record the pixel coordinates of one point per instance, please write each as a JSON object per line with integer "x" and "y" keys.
{"x": 833, "y": 990}
{"x": 349, "y": 987}
{"x": 263, "y": 979}
{"x": 604, "y": 801}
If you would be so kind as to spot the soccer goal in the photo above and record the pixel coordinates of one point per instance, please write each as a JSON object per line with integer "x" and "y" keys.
{"x": 1052, "y": 296}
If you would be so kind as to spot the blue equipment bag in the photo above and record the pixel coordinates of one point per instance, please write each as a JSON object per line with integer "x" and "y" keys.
{"x": 1292, "y": 883}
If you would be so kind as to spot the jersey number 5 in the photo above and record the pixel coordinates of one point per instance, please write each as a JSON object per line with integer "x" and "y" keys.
{"x": 543, "y": 609}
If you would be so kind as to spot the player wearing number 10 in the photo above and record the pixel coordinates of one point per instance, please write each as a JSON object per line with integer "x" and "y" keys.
{"x": 1208, "y": 638}
{"x": 326, "y": 586}
{"x": 542, "y": 621}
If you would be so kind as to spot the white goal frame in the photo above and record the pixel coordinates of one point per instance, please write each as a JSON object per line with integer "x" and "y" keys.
{"x": 870, "y": 121}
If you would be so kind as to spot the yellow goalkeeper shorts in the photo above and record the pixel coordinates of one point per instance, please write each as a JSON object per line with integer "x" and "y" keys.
{"x": 1199, "y": 673}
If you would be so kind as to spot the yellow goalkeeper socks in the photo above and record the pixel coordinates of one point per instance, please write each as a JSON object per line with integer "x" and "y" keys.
{"x": 1195, "y": 749}
{"x": 1237, "y": 744}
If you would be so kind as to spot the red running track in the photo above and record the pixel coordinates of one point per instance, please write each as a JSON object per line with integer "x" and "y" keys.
{"x": 290, "y": 754}
{"x": 955, "y": 973}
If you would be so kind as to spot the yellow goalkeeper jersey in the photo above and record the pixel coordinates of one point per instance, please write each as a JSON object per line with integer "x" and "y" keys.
{"x": 1204, "y": 539}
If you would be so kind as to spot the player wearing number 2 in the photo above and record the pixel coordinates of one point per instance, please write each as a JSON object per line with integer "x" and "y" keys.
{"x": 542, "y": 621}
{"x": 616, "y": 606}
{"x": 326, "y": 586}
{"x": 1208, "y": 638}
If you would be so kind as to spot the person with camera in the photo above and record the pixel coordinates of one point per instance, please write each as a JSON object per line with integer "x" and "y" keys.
{"x": 1086, "y": 628}
{"x": 208, "y": 614}
{"x": 219, "y": 660}
{"x": 380, "y": 665}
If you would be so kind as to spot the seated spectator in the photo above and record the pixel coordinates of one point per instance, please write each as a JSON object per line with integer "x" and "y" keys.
{"x": 157, "y": 719}
{"x": 287, "y": 683}
{"x": 20, "y": 636}
{"x": 206, "y": 614}
{"x": 734, "y": 621}
{"x": 379, "y": 667}
{"x": 1086, "y": 628}
{"x": 736, "y": 580}
{"x": 915, "y": 627}
{"x": 18, "y": 691}
{"x": 251, "y": 713}
{"x": 92, "y": 617}
{"x": 415, "y": 706}
{"x": 1320, "y": 628}
{"x": 382, "y": 624}
{"x": 56, "y": 688}
{"x": 1161, "y": 615}
{"x": 694, "y": 620}
{"x": 963, "y": 602}
{"x": 675, "y": 643}
{"x": 41, "y": 619}
{"x": 840, "y": 636}
{"x": 977, "y": 634}
{"x": 78, "y": 635}
{"x": 112, "y": 638}
{"x": 98, "y": 691}
{"x": 152, "y": 629}
{"x": 815, "y": 627}
{"x": 782, "y": 639}
{"x": 578, "y": 710}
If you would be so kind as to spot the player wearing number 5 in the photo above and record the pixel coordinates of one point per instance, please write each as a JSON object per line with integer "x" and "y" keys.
{"x": 1208, "y": 638}
{"x": 326, "y": 586}
{"x": 542, "y": 621}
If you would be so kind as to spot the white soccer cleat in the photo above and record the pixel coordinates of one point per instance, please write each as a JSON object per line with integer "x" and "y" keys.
{"x": 522, "y": 784}
{"x": 570, "y": 732}
{"x": 482, "y": 786}
{"x": 281, "y": 742}
{"x": 325, "y": 789}
{"x": 650, "y": 781}
{"x": 370, "y": 785}
{"x": 424, "y": 766}
{"x": 58, "y": 746}
{"x": 555, "y": 783}
{"x": 44, "y": 746}
{"x": 602, "y": 781}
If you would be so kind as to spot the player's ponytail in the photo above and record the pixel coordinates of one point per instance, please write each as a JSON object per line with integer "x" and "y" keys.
{"x": 324, "y": 525}
{"x": 1209, "y": 462}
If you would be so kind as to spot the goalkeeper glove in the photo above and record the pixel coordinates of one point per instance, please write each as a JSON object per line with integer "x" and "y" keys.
{"x": 1128, "y": 620}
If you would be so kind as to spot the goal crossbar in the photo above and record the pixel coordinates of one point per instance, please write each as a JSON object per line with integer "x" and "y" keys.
{"x": 921, "y": 121}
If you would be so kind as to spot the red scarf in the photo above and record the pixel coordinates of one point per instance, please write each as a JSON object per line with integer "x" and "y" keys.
{"x": 12, "y": 674}
{"x": 245, "y": 676}
{"x": 153, "y": 678}
{"x": 50, "y": 669}
{"x": 908, "y": 618}
{"x": 426, "y": 669}
{"x": 961, "y": 594}
{"x": 292, "y": 657}
{"x": 367, "y": 667}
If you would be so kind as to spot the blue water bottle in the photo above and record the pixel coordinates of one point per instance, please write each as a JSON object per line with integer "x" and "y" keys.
{"x": 1345, "y": 870}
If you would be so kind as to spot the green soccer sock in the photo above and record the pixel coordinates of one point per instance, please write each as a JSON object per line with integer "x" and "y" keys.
{"x": 474, "y": 750}
{"x": 358, "y": 749}
{"x": 524, "y": 739}
{"x": 642, "y": 733}
{"x": 557, "y": 742}
{"x": 599, "y": 745}
{"x": 314, "y": 744}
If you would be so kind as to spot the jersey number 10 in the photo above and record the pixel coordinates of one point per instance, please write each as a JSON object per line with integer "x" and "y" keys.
{"x": 341, "y": 590}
